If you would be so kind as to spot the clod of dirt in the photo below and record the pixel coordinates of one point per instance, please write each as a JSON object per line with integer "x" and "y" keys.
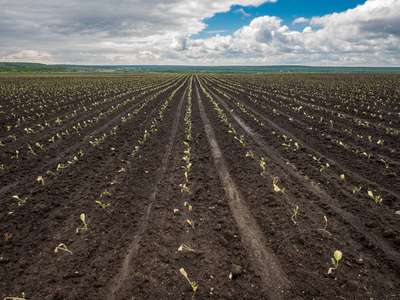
{"x": 389, "y": 234}
{"x": 236, "y": 270}
{"x": 39, "y": 207}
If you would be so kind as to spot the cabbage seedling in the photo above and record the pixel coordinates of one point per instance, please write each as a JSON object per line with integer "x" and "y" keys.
{"x": 21, "y": 201}
{"x": 386, "y": 164}
{"x": 335, "y": 261}
{"x": 103, "y": 205}
{"x": 376, "y": 198}
{"x": 83, "y": 219}
{"x": 250, "y": 154}
{"x": 398, "y": 212}
{"x": 294, "y": 216}
{"x": 262, "y": 165}
{"x": 192, "y": 283}
{"x": 324, "y": 167}
{"x": 185, "y": 247}
{"x": 185, "y": 188}
{"x": 16, "y": 298}
{"x": 189, "y": 206}
{"x": 356, "y": 189}
{"x": 40, "y": 178}
{"x": 31, "y": 150}
{"x": 276, "y": 187}
{"x": 63, "y": 248}
{"x": 326, "y": 225}
{"x": 38, "y": 145}
{"x": 342, "y": 177}
{"x": 191, "y": 223}
{"x": 49, "y": 172}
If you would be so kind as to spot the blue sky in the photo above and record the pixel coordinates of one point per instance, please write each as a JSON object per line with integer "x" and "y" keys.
{"x": 287, "y": 10}
{"x": 201, "y": 32}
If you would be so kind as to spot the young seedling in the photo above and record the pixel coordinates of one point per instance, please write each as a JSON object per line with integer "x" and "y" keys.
{"x": 192, "y": 283}
{"x": 83, "y": 219}
{"x": 40, "y": 179}
{"x": 31, "y": 150}
{"x": 250, "y": 154}
{"x": 342, "y": 177}
{"x": 63, "y": 248}
{"x": 185, "y": 188}
{"x": 20, "y": 201}
{"x": 105, "y": 192}
{"x": 386, "y": 164}
{"x": 276, "y": 187}
{"x": 376, "y": 198}
{"x": 38, "y": 145}
{"x": 294, "y": 216}
{"x": 262, "y": 165}
{"x": 191, "y": 223}
{"x": 398, "y": 212}
{"x": 185, "y": 247}
{"x": 335, "y": 261}
{"x": 103, "y": 205}
{"x": 16, "y": 298}
{"x": 189, "y": 206}
{"x": 324, "y": 167}
{"x": 186, "y": 177}
{"x": 326, "y": 225}
{"x": 240, "y": 138}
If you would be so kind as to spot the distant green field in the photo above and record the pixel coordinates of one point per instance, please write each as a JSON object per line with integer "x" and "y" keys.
{"x": 43, "y": 68}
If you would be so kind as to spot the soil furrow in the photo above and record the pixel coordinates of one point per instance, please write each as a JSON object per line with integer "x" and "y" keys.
{"x": 143, "y": 223}
{"x": 264, "y": 261}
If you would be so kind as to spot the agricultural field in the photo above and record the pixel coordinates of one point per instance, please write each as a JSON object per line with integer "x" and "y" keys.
{"x": 178, "y": 186}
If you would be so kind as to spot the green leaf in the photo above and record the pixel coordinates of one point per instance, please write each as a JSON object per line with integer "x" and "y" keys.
{"x": 333, "y": 261}
{"x": 338, "y": 255}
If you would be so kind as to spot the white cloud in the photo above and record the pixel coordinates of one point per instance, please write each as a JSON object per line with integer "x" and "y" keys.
{"x": 241, "y": 11}
{"x": 300, "y": 20}
{"x": 158, "y": 32}
{"x": 366, "y": 35}
{"x": 179, "y": 42}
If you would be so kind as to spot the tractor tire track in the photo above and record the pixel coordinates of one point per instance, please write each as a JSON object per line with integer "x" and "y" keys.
{"x": 263, "y": 260}
{"x": 123, "y": 275}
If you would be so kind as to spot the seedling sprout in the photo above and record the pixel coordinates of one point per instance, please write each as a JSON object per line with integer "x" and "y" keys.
{"x": 63, "y": 248}
{"x": 294, "y": 216}
{"x": 335, "y": 261}
{"x": 192, "y": 283}
{"x": 377, "y": 198}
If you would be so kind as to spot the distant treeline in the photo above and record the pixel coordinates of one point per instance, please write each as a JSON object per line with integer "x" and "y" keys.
{"x": 43, "y": 68}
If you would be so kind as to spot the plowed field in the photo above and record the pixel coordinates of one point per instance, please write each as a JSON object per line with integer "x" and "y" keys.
{"x": 117, "y": 186}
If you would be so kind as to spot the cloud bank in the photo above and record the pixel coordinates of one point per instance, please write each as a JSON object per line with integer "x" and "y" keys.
{"x": 159, "y": 32}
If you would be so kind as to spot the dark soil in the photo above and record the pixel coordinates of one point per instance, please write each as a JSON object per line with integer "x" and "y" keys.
{"x": 243, "y": 239}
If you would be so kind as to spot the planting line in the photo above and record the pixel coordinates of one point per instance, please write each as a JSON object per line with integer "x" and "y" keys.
{"x": 335, "y": 130}
{"x": 263, "y": 260}
{"x": 333, "y": 204}
{"x": 121, "y": 277}
{"x": 75, "y": 147}
{"x": 303, "y": 144}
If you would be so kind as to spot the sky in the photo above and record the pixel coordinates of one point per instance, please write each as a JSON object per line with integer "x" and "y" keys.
{"x": 201, "y": 32}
